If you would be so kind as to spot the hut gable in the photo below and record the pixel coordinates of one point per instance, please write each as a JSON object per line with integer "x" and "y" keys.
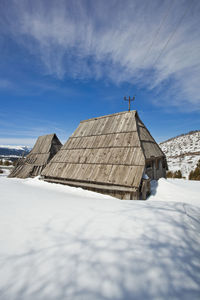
{"x": 105, "y": 154}
{"x": 44, "y": 149}
{"x": 148, "y": 144}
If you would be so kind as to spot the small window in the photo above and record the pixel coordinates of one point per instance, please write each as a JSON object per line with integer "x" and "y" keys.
{"x": 157, "y": 164}
{"x": 149, "y": 164}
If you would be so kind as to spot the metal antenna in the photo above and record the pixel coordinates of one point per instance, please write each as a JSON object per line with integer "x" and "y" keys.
{"x": 129, "y": 102}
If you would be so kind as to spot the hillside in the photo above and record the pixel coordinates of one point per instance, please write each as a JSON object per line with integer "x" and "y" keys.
{"x": 182, "y": 152}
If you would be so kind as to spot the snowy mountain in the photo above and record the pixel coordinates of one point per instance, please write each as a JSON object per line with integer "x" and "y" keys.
{"x": 182, "y": 152}
{"x": 13, "y": 152}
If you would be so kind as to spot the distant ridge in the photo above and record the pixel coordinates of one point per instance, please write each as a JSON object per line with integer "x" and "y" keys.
{"x": 15, "y": 147}
{"x": 183, "y": 134}
{"x": 13, "y": 152}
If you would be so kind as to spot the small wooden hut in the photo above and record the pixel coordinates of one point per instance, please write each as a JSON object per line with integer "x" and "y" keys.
{"x": 44, "y": 149}
{"x": 113, "y": 154}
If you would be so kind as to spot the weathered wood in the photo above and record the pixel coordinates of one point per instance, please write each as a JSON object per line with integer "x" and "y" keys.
{"x": 123, "y": 192}
{"x": 108, "y": 150}
{"x": 44, "y": 149}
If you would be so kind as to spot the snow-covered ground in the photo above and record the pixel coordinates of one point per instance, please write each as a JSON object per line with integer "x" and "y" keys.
{"x": 176, "y": 190}
{"x": 59, "y": 242}
{"x": 6, "y": 172}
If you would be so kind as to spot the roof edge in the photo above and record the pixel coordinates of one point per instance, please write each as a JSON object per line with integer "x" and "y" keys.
{"x": 111, "y": 115}
{"x": 45, "y": 135}
{"x": 154, "y": 141}
{"x": 86, "y": 184}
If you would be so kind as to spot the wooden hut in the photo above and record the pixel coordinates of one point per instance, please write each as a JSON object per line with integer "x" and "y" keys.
{"x": 113, "y": 154}
{"x": 44, "y": 149}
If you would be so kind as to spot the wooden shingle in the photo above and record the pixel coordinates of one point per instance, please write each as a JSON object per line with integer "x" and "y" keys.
{"x": 106, "y": 154}
{"x": 44, "y": 149}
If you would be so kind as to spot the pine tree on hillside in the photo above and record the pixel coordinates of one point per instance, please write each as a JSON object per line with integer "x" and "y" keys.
{"x": 177, "y": 174}
{"x": 7, "y": 163}
{"x": 195, "y": 175}
{"x": 169, "y": 174}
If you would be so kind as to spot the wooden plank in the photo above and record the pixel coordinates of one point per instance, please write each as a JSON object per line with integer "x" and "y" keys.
{"x": 103, "y": 173}
{"x": 92, "y": 127}
{"x": 118, "y": 175}
{"x": 88, "y": 172}
{"x": 144, "y": 135}
{"x": 131, "y": 123}
{"x": 93, "y": 185}
{"x": 98, "y": 173}
{"x": 84, "y": 155}
{"x": 151, "y": 150}
{"x": 115, "y": 125}
{"x": 107, "y": 127}
{"x": 88, "y": 129}
{"x": 126, "y": 156}
{"x": 78, "y": 129}
{"x": 138, "y": 176}
{"x": 102, "y": 125}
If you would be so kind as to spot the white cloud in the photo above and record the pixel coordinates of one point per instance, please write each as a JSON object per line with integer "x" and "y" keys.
{"x": 109, "y": 40}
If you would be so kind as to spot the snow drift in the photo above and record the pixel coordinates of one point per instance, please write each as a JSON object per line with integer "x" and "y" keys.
{"x": 59, "y": 242}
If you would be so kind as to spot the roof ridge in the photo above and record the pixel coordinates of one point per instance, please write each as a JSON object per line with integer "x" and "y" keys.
{"x": 108, "y": 116}
{"x": 45, "y": 135}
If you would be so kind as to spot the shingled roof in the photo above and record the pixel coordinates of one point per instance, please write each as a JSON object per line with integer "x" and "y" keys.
{"x": 105, "y": 154}
{"x": 44, "y": 149}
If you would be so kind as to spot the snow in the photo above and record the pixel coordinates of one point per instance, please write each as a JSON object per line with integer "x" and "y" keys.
{"x": 145, "y": 176}
{"x": 15, "y": 156}
{"x": 182, "y": 152}
{"x": 14, "y": 147}
{"x": 176, "y": 190}
{"x": 6, "y": 172}
{"x": 186, "y": 164}
{"x": 182, "y": 144}
{"x": 59, "y": 242}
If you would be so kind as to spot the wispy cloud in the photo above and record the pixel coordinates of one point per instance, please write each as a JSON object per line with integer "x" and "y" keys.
{"x": 109, "y": 39}
{"x": 13, "y": 131}
{"x": 5, "y": 84}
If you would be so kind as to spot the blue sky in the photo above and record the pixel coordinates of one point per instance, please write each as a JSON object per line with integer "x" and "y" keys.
{"x": 65, "y": 61}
